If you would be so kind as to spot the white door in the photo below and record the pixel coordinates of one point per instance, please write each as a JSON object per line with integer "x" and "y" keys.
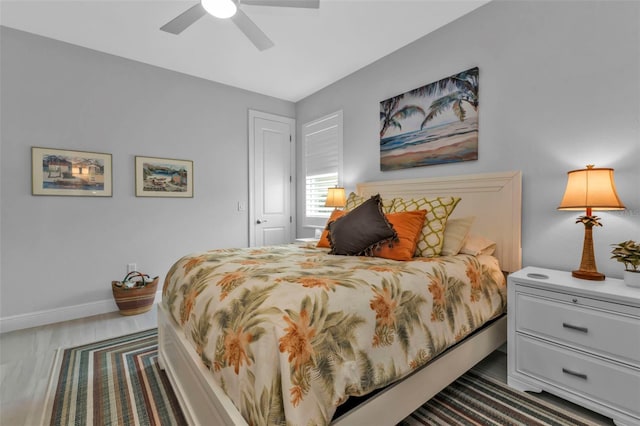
{"x": 271, "y": 153}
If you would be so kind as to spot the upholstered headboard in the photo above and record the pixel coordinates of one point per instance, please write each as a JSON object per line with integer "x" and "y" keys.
{"x": 495, "y": 199}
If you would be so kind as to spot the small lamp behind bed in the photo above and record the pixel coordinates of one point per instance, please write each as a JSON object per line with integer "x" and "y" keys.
{"x": 590, "y": 189}
{"x": 336, "y": 198}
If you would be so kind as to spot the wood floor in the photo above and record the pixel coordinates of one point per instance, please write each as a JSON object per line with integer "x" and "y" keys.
{"x": 26, "y": 358}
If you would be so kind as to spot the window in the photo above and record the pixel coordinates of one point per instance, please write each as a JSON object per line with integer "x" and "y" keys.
{"x": 322, "y": 144}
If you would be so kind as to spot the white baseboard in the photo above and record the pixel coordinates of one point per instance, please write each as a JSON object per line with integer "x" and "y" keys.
{"x": 36, "y": 319}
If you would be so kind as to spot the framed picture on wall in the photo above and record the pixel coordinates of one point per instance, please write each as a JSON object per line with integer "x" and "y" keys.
{"x": 72, "y": 173}
{"x": 164, "y": 177}
{"x": 433, "y": 124}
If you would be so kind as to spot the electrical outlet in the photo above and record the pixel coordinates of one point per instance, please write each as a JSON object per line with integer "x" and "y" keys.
{"x": 131, "y": 267}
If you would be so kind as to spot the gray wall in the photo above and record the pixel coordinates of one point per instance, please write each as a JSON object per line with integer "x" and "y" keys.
{"x": 559, "y": 89}
{"x": 59, "y": 252}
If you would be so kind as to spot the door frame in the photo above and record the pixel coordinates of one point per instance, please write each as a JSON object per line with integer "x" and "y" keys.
{"x": 253, "y": 114}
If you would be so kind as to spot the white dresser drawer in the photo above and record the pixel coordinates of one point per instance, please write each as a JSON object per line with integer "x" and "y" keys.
{"x": 607, "y": 333}
{"x": 592, "y": 378}
{"x": 577, "y": 339}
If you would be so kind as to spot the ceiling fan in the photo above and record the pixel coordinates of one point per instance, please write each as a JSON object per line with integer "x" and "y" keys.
{"x": 230, "y": 9}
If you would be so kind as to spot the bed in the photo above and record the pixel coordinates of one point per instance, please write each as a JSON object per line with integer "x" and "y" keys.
{"x": 201, "y": 376}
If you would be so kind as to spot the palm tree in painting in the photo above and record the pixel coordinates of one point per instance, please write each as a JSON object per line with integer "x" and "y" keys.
{"x": 461, "y": 88}
{"x": 390, "y": 115}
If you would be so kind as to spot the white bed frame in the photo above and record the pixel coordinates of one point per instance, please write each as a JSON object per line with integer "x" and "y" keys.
{"x": 494, "y": 199}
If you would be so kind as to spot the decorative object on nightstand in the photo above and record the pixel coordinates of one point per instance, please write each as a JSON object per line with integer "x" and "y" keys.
{"x": 135, "y": 293}
{"x": 628, "y": 253}
{"x": 336, "y": 198}
{"x": 575, "y": 339}
{"x": 590, "y": 189}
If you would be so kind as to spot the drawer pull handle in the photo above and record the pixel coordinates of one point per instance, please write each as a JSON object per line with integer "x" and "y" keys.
{"x": 573, "y": 373}
{"x": 575, "y": 327}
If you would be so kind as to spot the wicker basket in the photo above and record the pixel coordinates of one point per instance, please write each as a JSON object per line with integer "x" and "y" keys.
{"x": 134, "y": 300}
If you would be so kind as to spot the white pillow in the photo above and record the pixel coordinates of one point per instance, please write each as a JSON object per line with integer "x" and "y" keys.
{"x": 477, "y": 245}
{"x": 455, "y": 233}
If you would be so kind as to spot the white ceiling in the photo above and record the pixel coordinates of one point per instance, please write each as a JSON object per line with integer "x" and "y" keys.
{"x": 313, "y": 47}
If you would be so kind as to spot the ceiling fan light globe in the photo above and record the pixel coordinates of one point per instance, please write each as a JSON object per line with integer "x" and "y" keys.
{"x": 220, "y": 8}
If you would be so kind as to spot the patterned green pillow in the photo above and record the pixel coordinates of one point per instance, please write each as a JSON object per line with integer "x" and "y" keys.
{"x": 354, "y": 200}
{"x": 438, "y": 210}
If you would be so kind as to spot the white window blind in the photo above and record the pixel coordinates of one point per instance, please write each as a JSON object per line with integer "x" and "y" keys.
{"x": 323, "y": 165}
{"x": 316, "y": 193}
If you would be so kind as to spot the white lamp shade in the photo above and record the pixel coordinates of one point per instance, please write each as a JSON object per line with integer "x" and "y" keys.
{"x": 591, "y": 188}
{"x": 220, "y": 8}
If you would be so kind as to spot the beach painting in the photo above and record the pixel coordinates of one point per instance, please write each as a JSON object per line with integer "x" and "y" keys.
{"x": 433, "y": 124}
{"x": 163, "y": 177}
{"x": 68, "y": 172}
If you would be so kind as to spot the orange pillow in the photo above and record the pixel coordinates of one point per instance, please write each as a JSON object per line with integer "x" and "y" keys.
{"x": 408, "y": 225}
{"x": 324, "y": 240}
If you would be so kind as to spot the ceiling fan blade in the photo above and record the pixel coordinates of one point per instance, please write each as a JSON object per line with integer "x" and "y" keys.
{"x": 251, "y": 30}
{"x": 309, "y": 4}
{"x": 184, "y": 20}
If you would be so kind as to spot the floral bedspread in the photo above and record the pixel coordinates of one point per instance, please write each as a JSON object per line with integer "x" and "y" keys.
{"x": 290, "y": 332}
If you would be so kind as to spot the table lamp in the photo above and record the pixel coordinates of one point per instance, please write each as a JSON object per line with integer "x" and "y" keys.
{"x": 336, "y": 198}
{"x": 590, "y": 189}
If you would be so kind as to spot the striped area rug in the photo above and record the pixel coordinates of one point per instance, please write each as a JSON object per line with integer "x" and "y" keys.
{"x": 118, "y": 382}
{"x": 113, "y": 382}
{"x": 477, "y": 400}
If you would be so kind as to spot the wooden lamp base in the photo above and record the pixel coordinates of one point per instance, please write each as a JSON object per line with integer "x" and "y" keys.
{"x": 588, "y": 275}
{"x": 588, "y": 269}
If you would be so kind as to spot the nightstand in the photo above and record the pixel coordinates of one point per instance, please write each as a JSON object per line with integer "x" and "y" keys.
{"x": 576, "y": 339}
{"x": 306, "y": 240}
